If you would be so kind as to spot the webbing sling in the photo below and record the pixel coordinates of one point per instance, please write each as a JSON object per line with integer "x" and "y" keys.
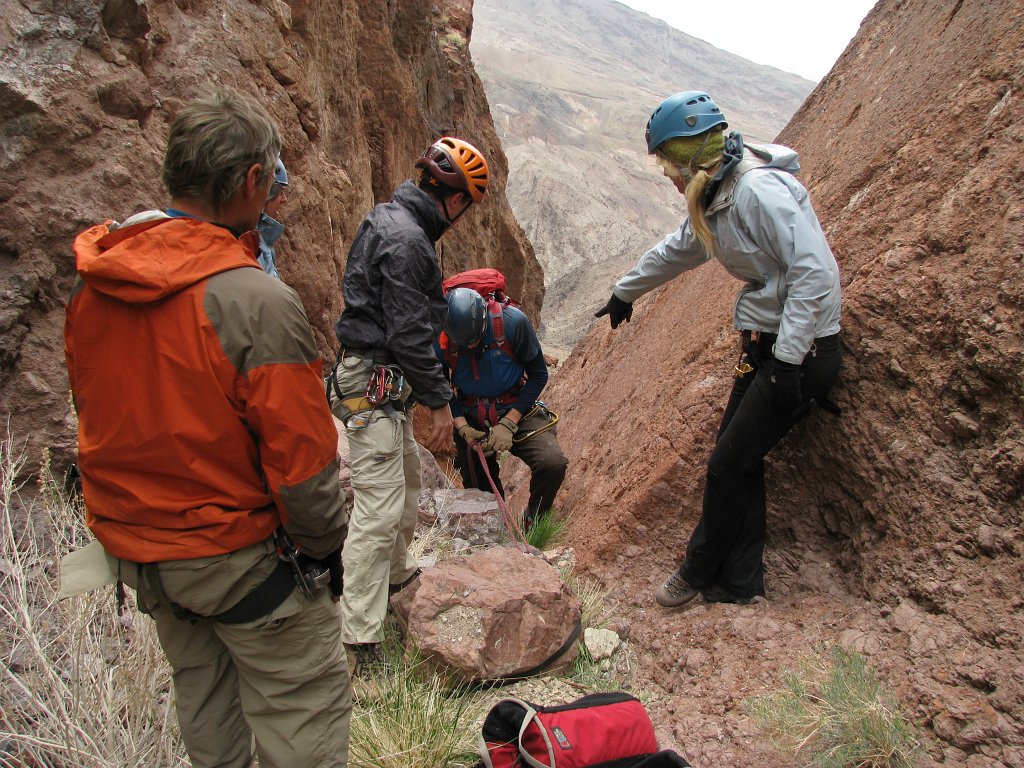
{"x": 260, "y": 601}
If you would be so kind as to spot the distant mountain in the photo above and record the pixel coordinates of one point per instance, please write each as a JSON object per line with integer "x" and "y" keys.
{"x": 571, "y": 84}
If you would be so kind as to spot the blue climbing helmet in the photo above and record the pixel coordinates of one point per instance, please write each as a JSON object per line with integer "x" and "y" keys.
{"x": 466, "y": 321}
{"x": 685, "y": 114}
{"x": 280, "y": 180}
{"x": 280, "y": 173}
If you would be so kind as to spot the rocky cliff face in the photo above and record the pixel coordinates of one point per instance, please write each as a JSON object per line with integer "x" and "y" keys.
{"x": 912, "y": 151}
{"x": 87, "y": 90}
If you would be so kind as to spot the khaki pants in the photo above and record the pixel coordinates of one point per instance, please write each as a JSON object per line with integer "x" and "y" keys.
{"x": 281, "y": 679}
{"x": 386, "y": 481}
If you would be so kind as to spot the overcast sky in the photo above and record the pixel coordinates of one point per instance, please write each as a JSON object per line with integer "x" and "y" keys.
{"x": 800, "y": 36}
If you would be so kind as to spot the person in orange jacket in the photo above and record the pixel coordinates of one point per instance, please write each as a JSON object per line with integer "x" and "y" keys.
{"x": 206, "y": 449}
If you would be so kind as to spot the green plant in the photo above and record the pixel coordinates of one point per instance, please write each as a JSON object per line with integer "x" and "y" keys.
{"x": 412, "y": 717}
{"x": 593, "y": 675}
{"x": 837, "y": 713}
{"x": 546, "y": 529}
{"x": 453, "y": 39}
{"x": 594, "y": 598}
{"x": 79, "y": 685}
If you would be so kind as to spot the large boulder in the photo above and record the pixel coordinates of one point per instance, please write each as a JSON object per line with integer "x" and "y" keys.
{"x": 497, "y": 614}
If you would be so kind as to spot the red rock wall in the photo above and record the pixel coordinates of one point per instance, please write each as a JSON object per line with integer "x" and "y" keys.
{"x": 912, "y": 150}
{"x": 86, "y": 95}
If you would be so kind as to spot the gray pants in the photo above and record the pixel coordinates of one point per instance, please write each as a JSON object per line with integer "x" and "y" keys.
{"x": 386, "y": 482}
{"x": 282, "y": 680}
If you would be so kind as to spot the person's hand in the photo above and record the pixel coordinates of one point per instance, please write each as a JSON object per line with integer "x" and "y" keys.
{"x": 440, "y": 437}
{"x": 500, "y": 437}
{"x": 784, "y": 394}
{"x": 337, "y": 582}
{"x": 618, "y": 311}
{"x": 470, "y": 434}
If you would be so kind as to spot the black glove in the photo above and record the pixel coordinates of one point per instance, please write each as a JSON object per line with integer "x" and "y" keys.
{"x": 618, "y": 311}
{"x": 337, "y": 582}
{"x": 784, "y": 394}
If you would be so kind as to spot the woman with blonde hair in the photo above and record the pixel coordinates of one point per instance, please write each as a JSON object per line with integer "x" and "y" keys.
{"x": 747, "y": 210}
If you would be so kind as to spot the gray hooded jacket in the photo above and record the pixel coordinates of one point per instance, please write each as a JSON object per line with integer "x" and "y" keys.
{"x": 768, "y": 236}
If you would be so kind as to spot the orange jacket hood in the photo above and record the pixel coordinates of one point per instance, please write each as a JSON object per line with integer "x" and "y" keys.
{"x": 144, "y": 262}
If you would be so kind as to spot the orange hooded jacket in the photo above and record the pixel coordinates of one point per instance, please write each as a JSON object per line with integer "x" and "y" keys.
{"x": 202, "y": 422}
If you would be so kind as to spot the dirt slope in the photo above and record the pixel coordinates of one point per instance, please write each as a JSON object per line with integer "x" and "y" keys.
{"x": 895, "y": 529}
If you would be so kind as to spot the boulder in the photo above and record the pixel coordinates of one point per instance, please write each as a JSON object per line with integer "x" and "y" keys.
{"x": 473, "y": 516}
{"x": 496, "y": 614}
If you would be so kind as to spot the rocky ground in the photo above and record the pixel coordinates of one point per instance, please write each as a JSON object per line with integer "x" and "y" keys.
{"x": 695, "y": 666}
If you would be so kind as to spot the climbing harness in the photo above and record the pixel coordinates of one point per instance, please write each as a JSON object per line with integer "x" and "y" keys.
{"x": 386, "y": 390}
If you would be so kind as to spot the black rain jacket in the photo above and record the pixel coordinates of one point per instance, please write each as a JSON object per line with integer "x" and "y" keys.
{"x": 392, "y": 290}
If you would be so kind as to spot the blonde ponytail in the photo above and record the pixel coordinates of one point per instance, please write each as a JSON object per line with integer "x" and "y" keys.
{"x": 695, "y": 205}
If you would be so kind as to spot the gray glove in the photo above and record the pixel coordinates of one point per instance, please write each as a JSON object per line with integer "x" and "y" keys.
{"x": 470, "y": 435}
{"x": 500, "y": 437}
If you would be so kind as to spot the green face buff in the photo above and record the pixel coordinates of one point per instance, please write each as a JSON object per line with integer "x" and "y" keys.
{"x": 691, "y": 152}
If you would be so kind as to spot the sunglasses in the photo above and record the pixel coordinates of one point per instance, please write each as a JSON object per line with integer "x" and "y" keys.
{"x": 277, "y": 189}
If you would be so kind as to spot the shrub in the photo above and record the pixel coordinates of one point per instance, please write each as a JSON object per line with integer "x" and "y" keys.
{"x": 79, "y": 684}
{"x": 838, "y": 715}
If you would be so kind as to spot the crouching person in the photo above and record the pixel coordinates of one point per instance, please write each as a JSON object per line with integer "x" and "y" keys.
{"x": 205, "y": 446}
{"x": 497, "y": 369}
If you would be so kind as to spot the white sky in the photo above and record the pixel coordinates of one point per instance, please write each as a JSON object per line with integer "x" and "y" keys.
{"x": 804, "y": 37}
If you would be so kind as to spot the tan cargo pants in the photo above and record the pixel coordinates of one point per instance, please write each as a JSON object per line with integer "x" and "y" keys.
{"x": 281, "y": 680}
{"x": 386, "y": 482}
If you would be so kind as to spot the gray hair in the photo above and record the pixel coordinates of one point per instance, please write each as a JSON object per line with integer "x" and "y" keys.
{"x": 212, "y": 143}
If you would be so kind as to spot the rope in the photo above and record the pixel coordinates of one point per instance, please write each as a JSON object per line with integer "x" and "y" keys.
{"x": 510, "y": 522}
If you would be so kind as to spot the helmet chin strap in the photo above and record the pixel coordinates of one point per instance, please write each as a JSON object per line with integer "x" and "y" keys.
{"x": 449, "y": 219}
{"x": 694, "y": 164}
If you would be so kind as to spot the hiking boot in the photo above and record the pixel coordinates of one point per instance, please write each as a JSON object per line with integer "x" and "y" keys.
{"x": 394, "y": 589}
{"x": 365, "y": 660}
{"x": 716, "y": 593}
{"x": 675, "y": 592}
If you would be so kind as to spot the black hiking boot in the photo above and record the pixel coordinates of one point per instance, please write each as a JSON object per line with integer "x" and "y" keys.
{"x": 366, "y": 660}
{"x": 719, "y": 594}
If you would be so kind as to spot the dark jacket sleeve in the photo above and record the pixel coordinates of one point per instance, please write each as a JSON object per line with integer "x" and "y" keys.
{"x": 527, "y": 349}
{"x": 411, "y": 299}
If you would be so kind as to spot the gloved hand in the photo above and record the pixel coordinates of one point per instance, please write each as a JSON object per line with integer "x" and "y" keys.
{"x": 784, "y": 394}
{"x": 337, "y": 583}
{"x": 469, "y": 434}
{"x": 618, "y": 311}
{"x": 500, "y": 437}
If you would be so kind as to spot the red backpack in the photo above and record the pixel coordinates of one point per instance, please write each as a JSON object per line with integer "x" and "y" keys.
{"x": 490, "y": 284}
{"x": 602, "y": 729}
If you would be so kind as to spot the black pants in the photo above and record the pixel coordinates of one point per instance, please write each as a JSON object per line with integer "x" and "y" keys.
{"x": 727, "y": 545}
{"x": 541, "y": 453}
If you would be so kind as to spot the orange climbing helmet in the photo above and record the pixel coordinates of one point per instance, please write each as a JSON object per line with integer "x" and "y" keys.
{"x": 456, "y": 164}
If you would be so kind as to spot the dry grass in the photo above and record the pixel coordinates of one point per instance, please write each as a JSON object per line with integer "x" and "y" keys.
{"x": 82, "y": 686}
{"x": 836, "y": 714}
{"x": 410, "y": 717}
{"x": 79, "y": 686}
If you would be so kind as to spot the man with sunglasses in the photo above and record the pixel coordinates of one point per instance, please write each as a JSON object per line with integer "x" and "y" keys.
{"x": 269, "y": 227}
